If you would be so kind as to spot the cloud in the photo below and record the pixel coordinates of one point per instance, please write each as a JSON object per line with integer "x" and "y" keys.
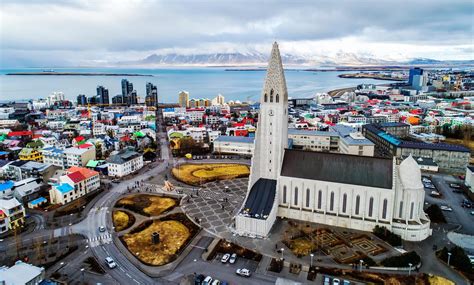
{"x": 80, "y": 31}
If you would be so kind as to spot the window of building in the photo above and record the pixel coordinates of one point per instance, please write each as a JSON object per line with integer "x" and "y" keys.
{"x": 271, "y": 96}
{"x": 357, "y": 205}
{"x": 265, "y": 97}
{"x": 371, "y": 206}
{"x": 384, "y": 209}
{"x": 320, "y": 198}
{"x": 307, "y": 198}
{"x": 296, "y": 196}
{"x": 284, "y": 194}
{"x": 277, "y": 98}
{"x": 331, "y": 202}
{"x": 412, "y": 207}
{"x": 344, "y": 202}
{"x": 400, "y": 210}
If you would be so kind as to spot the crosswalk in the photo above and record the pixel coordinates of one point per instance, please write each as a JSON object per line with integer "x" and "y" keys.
{"x": 100, "y": 240}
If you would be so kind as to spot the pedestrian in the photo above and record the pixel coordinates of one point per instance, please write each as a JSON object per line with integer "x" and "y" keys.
{"x": 276, "y": 246}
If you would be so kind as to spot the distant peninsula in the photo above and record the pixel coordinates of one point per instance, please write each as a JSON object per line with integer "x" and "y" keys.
{"x": 77, "y": 73}
{"x": 371, "y": 76}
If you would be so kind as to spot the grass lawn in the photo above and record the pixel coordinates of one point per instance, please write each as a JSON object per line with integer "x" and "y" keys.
{"x": 122, "y": 220}
{"x": 147, "y": 205}
{"x": 197, "y": 174}
{"x": 173, "y": 235}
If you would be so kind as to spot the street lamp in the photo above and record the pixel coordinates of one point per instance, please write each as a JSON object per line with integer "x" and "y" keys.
{"x": 409, "y": 268}
{"x": 282, "y": 249}
{"x": 449, "y": 257}
{"x": 82, "y": 273}
{"x": 311, "y": 263}
{"x": 360, "y": 266}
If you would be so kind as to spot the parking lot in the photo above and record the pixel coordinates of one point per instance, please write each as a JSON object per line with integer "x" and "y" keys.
{"x": 239, "y": 263}
{"x": 452, "y": 199}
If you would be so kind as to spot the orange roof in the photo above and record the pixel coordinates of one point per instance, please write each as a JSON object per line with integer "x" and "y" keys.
{"x": 86, "y": 172}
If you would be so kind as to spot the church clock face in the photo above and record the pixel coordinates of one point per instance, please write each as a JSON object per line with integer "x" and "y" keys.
{"x": 270, "y": 112}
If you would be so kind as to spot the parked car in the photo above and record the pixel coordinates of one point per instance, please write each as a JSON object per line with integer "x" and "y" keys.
{"x": 233, "y": 258}
{"x": 207, "y": 280}
{"x": 472, "y": 213}
{"x": 446, "y": 208}
{"x": 454, "y": 185}
{"x": 346, "y": 282}
{"x": 198, "y": 279}
{"x": 466, "y": 203}
{"x": 336, "y": 281}
{"x": 101, "y": 229}
{"x": 110, "y": 262}
{"x": 116, "y": 181}
{"x": 425, "y": 179}
{"x": 216, "y": 282}
{"x": 243, "y": 272}
{"x": 225, "y": 258}
{"x": 435, "y": 193}
{"x": 326, "y": 281}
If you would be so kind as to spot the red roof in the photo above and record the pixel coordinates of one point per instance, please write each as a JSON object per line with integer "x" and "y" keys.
{"x": 85, "y": 145}
{"x": 76, "y": 177}
{"x": 79, "y": 138}
{"x": 20, "y": 133}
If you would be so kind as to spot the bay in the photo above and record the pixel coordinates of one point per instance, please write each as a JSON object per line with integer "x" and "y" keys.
{"x": 199, "y": 82}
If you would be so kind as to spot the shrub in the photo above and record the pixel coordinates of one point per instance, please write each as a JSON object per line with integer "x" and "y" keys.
{"x": 459, "y": 258}
{"x": 435, "y": 214}
{"x": 386, "y": 235}
{"x": 402, "y": 260}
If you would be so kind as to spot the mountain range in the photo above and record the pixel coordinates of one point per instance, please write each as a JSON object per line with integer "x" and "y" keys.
{"x": 259, "y": 59}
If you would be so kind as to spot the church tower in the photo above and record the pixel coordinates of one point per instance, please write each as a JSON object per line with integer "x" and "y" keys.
{"x": 272, "y": 129}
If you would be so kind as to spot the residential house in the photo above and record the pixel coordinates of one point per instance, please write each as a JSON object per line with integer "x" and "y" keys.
{"x": 124, "y": 162}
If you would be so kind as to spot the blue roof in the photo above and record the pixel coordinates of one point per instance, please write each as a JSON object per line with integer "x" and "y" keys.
{"x": 64, "y": 188}
{"x": 54, "y": 150}
{"x": 293, "y": 131}
{"x": 3, "y": 153}
{"x": 237, "y": 139}
{"x": 388, "y": 137}
{"x": 6, "y": 185}
{"x": 37, "y": 201}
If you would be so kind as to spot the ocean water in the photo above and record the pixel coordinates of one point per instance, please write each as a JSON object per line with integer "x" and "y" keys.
{"x": 199, "y": 82}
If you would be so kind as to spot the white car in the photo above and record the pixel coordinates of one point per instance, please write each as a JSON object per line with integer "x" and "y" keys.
{"x": 207, "y": 281}
{"x": 233, "y": 258}
{"x": 243, "y": 272}
{"x": 336, "y": 281}
{"x": 110, "y": 262}
{"x": 101, "y": 229}
{"x": 225, "y": 258}
{"x": 446, "y": 208}
{"x": 216, "y": 282}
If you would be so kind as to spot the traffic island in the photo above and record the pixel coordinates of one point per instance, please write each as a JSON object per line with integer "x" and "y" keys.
{"x": 160, "y": 241}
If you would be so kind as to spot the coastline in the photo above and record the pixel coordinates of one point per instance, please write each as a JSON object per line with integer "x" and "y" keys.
{"x": 370, "y": 76}
{"x": 77, "y": 74}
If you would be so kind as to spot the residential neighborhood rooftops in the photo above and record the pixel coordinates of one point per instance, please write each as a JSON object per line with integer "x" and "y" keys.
{"x": 293, "y": 131}
{"x": 7, "y": 185}
{"x": 123, "y": 156}
{"x": 20, "y": 273}
{"x": 38, "y": 201}
{"x": 237, "y": 139}
{"x": 76, "y": 177}
{"x": 85, "y": 172}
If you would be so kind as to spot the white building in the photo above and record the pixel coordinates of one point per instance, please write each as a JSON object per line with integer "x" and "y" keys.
{"x": 79, "y": 156}
{"x": 14, "y": 213}
{"x": 234, "y": 145}
{"x": 125, "y": 162}
{"x": 357, "y": 192}
{"x": 54, "y": 156}
{"x": 469, "y": 179}
{"x": 78, "y": 182}
{"x": 353, "y": 142}
{"x": 314, "y": 140}
{"x": 21, "y": 273}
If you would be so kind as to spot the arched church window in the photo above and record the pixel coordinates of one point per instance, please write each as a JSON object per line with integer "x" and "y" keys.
{"x": 400, "y": 210}
{"x": 384, "y": 209}
{"x": 284, "y": 194}
{"x": 412, "y": 207}
{"x": 307, "y": 198}
{"x": 296, "y": 196}
{"x": 265, "y": 97}
{"x": 320, "y": 198}
{"x": 277, "y": 98}
{"x": 371, "y": 206}
{"x": 331, "y": 202}
{"x": 344, "y": 202}
{"x": 357, "y": 205}
{"x": 271, "y": 96}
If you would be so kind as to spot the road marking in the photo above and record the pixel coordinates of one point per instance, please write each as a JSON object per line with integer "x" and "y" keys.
{"x": 129, "y": 276}
{"x": 136, "y": 281}
{"x": 121, "y": 269}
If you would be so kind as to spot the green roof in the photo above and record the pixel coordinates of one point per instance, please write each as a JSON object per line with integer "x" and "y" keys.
{"x": 93, "y": 163}
{"x": 139, "y": 134}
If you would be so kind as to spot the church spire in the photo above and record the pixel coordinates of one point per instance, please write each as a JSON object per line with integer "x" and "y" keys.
{"x": 274, "y": 88}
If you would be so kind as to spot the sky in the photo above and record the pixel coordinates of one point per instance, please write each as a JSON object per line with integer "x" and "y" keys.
{"x": 99, "y": 32}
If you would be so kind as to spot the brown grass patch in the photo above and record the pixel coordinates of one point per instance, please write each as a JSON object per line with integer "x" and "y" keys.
{"x": 147, "y": 205}
{"x": 122, "y": 220}
{"x": 197, "y": 174}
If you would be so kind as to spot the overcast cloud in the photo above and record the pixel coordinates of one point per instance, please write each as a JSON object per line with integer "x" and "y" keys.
{"x": 81, "y": 32}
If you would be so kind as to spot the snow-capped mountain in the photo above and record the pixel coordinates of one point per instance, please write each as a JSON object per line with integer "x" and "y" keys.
{"x": 259, "y": 59}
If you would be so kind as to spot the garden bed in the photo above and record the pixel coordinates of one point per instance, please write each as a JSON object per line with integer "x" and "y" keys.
{"x": 175, "y": 231}
{"x": 122, "y": 220}
{"x": 147, "y": 205}
{"x": 198, "y": 174}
